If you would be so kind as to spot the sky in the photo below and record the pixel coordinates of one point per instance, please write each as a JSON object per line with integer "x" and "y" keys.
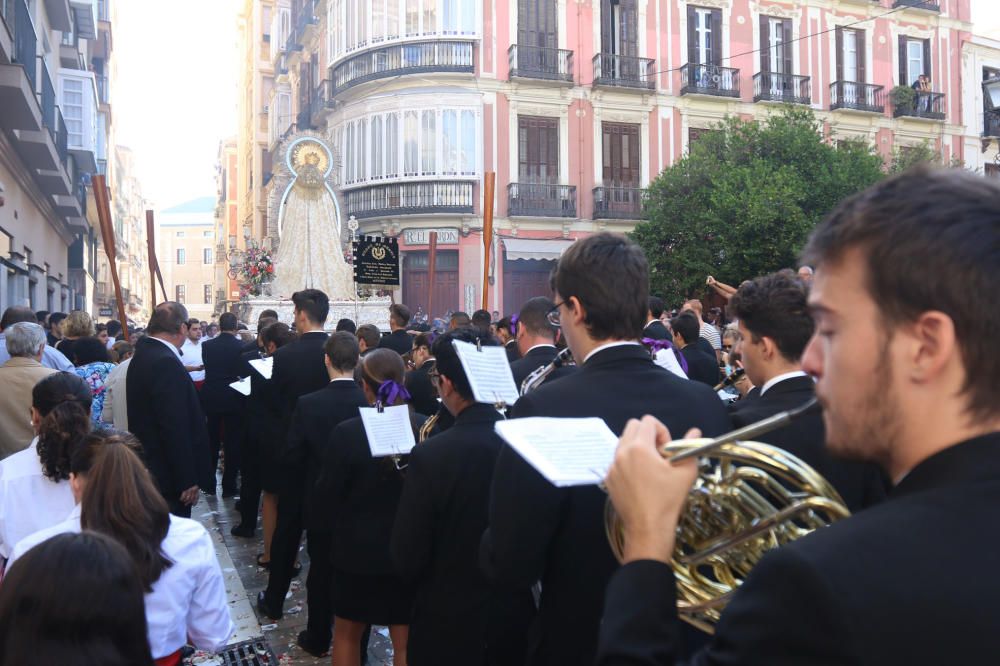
{"x": 175, "y": 97}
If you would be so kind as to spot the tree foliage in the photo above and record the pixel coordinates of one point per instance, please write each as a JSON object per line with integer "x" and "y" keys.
{"x": 744, "y": 200}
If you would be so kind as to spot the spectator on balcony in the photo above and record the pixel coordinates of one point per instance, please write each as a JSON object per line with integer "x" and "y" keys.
{"x": 78, "y": 324}
{"x": 93, "y": 365}
{"x": 923, "y": 87}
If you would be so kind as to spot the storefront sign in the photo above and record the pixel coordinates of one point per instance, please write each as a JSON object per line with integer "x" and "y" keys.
{"x": 104, "y": 312}
{"x": 423, "y": 236}
{"x": 376, "y": 261}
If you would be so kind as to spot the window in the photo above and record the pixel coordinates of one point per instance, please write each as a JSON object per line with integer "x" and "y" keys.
{"x": 428, "y": 148}
{"x": 538, "y": 149}
{"x": 704, "y": 36}
{"x": 776, "y": 45}
{"x": 619, "y": 27}
{"x": 206, "y": 255}
{"x": 914, "y": 59}
{"x": 208, "y": 294}
{"x": 361, "y": 23}
{"x": 179, "y": 293}
{"x": 72, "y": 108}
{"x": 180, "y": 255}
{"x": 620, "y": 154}
{"x": 180, "y": 234}
{"x": 411, "y": 141}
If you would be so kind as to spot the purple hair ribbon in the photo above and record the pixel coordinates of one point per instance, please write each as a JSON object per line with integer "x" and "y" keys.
{"x": 513, "y": 325}
{"x": 390, "y": 391}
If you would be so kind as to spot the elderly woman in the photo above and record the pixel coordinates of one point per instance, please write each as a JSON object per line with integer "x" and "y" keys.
{"x": 75, "y": 326}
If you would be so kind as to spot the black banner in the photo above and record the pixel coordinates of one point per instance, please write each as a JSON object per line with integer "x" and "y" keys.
{"x": 376, "y": 261}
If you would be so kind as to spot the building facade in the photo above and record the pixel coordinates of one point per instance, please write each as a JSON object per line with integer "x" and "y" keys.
{"x": 230, "y": 234}
{"x": 980, "y": 63}
{"x": 577, "y": 106}
{"x": 185, "y": 250}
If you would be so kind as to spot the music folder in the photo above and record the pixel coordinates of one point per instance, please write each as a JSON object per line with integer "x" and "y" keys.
{"x": 567, "y": 452}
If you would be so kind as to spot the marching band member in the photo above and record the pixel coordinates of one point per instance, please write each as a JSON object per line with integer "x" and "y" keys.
{"x": 536, "y": 340}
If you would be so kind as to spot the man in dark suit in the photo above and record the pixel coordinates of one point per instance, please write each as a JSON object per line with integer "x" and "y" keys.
{"x": 536, "y": 339}
{"x": 164, "y": 411}
{"x": 906, "y": 369}
{"x": 775, "y": 325}
{"x": 299, "y": 368}
{"x": 556, "y": 535}
{"x": 316, "y": 415}
{"x": 458, "y": 614}
{"x": 701, "y": 367}
{"x": 223, "y": 405}
{"x": 398, "y": 339}
{"x": 654, "y": 329}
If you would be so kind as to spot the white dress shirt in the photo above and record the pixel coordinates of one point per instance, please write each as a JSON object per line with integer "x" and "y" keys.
{"x": 191, "y": 356}
{"x": 116, "y": 403}
{"x": 169, "y": 345}
{"x": 51, "y": 357}
{"x": 609, "y": 345}
{"x": 780, "y": 378}
{"x": 188, "y": 600}
{"x": 29, "y": 501}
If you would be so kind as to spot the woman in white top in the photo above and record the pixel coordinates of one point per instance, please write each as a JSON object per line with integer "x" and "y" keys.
{"x": 175, "y": 558}
{"x": 34, "y": 487}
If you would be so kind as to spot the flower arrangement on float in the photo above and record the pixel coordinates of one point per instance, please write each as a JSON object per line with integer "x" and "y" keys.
{"x": 255, "y": 271}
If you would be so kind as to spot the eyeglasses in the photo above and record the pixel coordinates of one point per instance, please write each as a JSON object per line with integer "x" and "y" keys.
{"x": 553, "y": 314}
{"x": 434, "y": 376}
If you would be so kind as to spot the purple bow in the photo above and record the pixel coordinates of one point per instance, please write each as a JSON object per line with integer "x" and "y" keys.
{"x": 656, "y": 346}
{"x": 513, "y": 325}
{"x": 390, "y": 391}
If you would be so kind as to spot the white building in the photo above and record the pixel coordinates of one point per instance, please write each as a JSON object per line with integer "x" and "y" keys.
{"x": 980, "y": 61}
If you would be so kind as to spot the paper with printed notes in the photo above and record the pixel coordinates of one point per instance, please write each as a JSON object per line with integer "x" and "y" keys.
{"x": 567, "y": 452}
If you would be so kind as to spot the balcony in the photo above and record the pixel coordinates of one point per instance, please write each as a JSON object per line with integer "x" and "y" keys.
{"x": 857, "y": 97}
{"x": 928, "y": 105}
{"x": 83, "y": 142}
{"x": 399, "y": 59}
{"x": 928, "y": 5}
{"x": 412, "y": 198}
{"x": 788, "y": 88}
{"x": 18, "y": 79}
{"x": 541, "y": 200}
{"x": 624, "y": 72}
{"x": 322, "y": 100}
{"x": 710, "y": 80}
{"x": 618, "y": 203}
{"x": 991, "y": 124}
{"x": 305, "y": 17}
{"x": 538, "y": 62}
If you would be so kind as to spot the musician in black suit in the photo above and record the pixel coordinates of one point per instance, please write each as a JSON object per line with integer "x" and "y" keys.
{"x": 365, "y": 495}
{"x": 457, "y": 614}
{"x": 654, "y": 329}
{"x": 538, "y": 531}
{"x": 223, "y": 405}
{"x": 536, "y": 338}
{"x": 701, "y": 367}
{"x": 299, "y": 368}
{"x": 398, "y": 340}
{"x": 775, "y": 326}
{"x": 316, "y": 415}
{"x": 906, "y": 371}
{"x": 423, "y": 394}
{"x": 164, "y": 411}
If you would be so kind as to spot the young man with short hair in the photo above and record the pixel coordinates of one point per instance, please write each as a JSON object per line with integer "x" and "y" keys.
{"x": 701, "y": 367}
{"x": 398, "y": 339}
{"x": 536, "y": 341}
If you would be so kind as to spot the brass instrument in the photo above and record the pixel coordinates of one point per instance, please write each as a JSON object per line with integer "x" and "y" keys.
{"x": 428, "y": 426}
{"x": 733, "y": 377}
{"x": 536, "y": 378}
{"x": 748, "y": 499}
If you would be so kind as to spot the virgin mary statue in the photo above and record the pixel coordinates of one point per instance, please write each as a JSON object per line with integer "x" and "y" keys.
{"x": 310, "y": 255}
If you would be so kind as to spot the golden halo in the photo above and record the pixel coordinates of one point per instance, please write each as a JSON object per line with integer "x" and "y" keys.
{"x": 309, "y": 153}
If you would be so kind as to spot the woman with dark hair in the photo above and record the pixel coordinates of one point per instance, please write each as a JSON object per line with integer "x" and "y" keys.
{"x": 93, "y": 365}
{"x": 366, "y": 491}
{"x": 174, "y": 557}
{"x": 34, "y": 488}
{"x": 74, "y": 600}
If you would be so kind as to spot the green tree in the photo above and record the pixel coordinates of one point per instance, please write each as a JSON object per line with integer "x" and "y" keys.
{"x": 744, "y": 200}
{"x": 905, "y": 157}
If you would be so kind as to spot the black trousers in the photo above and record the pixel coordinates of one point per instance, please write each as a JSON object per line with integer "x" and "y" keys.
{"x": 178, "y": 508}
{"x": 284, "y": 547}
{"x": 225, "y": 430}
{"x": 250, "y": 489}
{"x": 319, "y": 585}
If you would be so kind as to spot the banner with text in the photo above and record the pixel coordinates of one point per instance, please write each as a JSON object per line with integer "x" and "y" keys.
{"x": 376, "y": 261}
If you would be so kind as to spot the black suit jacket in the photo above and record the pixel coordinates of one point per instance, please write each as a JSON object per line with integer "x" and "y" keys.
{"x": 886, "y": 587}
{"x": 655, "y": 330}
{"x": 398, "y": 341}
{"x": 513, "y": 353}
{"x": 223, "y": 359}
{"x": 860, "y": 484}
{"x": 534, "y": 359}
{"x": 556, "y": 535}
{"x": 701, "y": 367}
{"x": 165, "y": 414}
{"x": 435, "y": 543}
{"x": 423, "y": 395}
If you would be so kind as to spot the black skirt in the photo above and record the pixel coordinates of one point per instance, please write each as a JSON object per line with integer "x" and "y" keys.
{"x": 380, "y": 599}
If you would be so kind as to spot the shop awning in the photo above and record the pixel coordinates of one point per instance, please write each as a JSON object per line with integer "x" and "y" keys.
{"x": 523, "y": 248}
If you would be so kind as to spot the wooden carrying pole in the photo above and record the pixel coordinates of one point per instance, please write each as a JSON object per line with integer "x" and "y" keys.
{"x": 103, "y": 201}
{"x": 154, "y": 265}
{"x": 489, "y": 184}
{"x": 432, "y": 242}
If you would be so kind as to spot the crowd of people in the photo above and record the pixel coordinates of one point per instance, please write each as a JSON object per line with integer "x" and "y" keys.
{"x": 462, "y": 548}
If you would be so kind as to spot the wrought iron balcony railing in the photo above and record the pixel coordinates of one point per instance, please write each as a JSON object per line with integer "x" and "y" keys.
{"x": 991, "y": 124}
{"x": 710, "y": 80}
{"x": 929, "y": 5}
{"x": 857, "y": 96}
{"x": 775, "y": 87}
{"x": 25, "y": 42}
{"x": 397, "y": 59}
{"x": 624, "y": 71}
{"x": 410, "y": 198}
{"x": 618, "y": 203}
{"x": 541, "y": 200}
{"x": 538, "y": 62}
{"x": 925, "y": 105}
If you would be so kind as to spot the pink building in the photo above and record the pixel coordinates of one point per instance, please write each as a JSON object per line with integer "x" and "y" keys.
{"x": 578, "y": 105}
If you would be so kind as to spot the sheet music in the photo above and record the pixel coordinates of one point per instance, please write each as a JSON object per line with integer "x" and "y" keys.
{"x": 263, "y": 366}
{"x": 242, "y": 385}
{"x": 488, "y": 372}
{"x": 567, "y": 452}
{"x": 389, "y": 433}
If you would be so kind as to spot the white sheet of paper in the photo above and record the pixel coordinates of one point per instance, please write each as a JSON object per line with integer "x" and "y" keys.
{"x": 488, "y": 372}
{"x": 243, "y": 386}
{"x": 666, "y": 359}
{"x": 389, "y": 433}
{"x": 263, "y": 366}
{"x": 567, "y": 452}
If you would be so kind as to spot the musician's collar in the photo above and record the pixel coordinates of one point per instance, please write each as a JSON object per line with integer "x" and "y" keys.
{"x": 546, "y": 345}
{"x": 609, "y": 345}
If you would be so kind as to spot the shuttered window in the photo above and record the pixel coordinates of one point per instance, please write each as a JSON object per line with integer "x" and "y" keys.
{"x": 851, "y": 55}
{"x": 620, "y": 154}
{"x": 538, "y": 149}
{"x": 776, "y": 45}
{"x": 704, "y": 36}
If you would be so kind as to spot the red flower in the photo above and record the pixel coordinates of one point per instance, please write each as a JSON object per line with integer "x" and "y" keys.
{"x": 253, "y": 270}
